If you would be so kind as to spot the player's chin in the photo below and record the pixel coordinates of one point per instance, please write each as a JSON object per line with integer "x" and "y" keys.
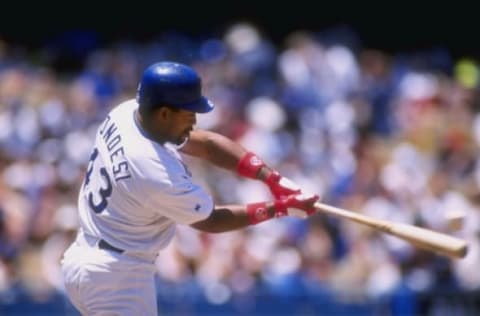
{"x": 182, "y": 138}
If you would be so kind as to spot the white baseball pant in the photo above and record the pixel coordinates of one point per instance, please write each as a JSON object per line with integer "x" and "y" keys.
{"x": 103, "y": 282}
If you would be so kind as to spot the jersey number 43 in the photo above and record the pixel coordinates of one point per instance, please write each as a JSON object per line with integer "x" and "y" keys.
{"x": 97, "y": 185}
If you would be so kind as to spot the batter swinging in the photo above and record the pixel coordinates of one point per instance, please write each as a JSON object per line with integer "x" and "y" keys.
{"x": 136, "y": 190}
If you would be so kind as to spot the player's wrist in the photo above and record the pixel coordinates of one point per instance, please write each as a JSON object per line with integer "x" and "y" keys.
{"x": 260, "y": 212}
{"x": 250, "y": 166}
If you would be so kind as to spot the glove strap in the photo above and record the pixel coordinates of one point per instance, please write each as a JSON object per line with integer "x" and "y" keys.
{"x": 249, "y": 165}
{"x": 273, "y": 178}
{"x": 280, "y": 208}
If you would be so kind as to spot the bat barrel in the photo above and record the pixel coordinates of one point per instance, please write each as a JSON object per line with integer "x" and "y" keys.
{"x": 417, "y": 236}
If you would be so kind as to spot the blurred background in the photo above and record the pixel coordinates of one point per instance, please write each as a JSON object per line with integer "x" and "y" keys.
{"x": 378, "y": 115}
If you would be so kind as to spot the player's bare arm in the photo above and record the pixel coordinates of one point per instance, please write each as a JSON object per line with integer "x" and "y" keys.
{"x": 228, "y": 217}
{"x": 218, "y": 150}
{"x": 232, "y": 217}
{"x": 225, "y": 153}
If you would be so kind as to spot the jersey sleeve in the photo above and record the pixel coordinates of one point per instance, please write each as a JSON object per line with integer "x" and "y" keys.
{"x": 170, "y": 192}
{"x": 184, "y": 203}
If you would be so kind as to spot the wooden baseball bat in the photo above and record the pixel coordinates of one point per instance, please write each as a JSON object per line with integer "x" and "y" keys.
{"x": 420, "y": 237}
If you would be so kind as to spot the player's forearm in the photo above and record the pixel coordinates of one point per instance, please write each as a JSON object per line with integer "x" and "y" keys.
{"x": 231, "y": 217}
{"x": 228, "y": 218}
{"x": 219, "y": 150}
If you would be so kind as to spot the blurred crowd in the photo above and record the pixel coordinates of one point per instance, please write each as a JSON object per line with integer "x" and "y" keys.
{"x": 393, "y": 136}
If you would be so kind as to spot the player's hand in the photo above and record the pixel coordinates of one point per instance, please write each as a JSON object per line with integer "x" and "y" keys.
{"x": 281, "y": 187}
{"x": 299, "y": 205}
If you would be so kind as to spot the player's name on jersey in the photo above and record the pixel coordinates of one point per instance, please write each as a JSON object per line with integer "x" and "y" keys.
{"x": 113, "y": 142}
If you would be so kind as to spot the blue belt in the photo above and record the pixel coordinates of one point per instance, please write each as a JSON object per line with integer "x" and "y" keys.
{"x": 102, "y": 244}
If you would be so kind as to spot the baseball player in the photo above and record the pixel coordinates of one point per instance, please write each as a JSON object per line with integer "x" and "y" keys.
{"x": 136, "y": 189}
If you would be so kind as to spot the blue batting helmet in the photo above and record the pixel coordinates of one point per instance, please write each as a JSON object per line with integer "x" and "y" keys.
{"x": 172, "y": 84}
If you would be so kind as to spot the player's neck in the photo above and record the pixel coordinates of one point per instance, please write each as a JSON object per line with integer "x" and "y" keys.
{"x": 146, "y": 129}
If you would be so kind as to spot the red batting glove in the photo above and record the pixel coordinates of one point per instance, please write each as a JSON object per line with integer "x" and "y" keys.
{"x": 281, "y": 187}
{"x": 298, "y": 205}
{"x": 294, "y": 205}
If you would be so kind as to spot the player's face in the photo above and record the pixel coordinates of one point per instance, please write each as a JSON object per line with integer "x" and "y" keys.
{"x": 180, "y": 124}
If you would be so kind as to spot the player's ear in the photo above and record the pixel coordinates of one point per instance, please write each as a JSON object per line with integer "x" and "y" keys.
{"x": 163, "y": 113}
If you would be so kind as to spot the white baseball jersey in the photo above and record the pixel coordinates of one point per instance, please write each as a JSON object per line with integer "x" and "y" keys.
{"x": 135, "y": 189}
